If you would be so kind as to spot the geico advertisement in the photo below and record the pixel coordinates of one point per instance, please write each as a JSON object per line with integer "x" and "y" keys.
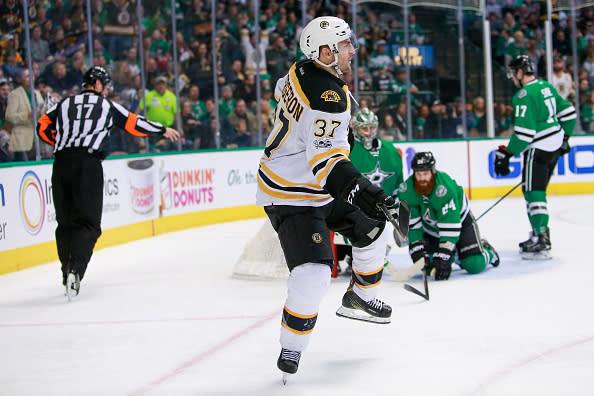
{"x": 576, "y": 166}
{"x": 195, "y": 182}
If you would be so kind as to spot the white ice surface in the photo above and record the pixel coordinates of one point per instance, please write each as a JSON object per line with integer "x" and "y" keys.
{"x": 162, "y": 316}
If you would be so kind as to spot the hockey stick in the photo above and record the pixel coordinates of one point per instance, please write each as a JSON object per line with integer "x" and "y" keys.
{"x": 400, "y": 225}
{"x": 499, "y": 200}
{"x": 417, "y": 291}
{"x": 402, "y": 228}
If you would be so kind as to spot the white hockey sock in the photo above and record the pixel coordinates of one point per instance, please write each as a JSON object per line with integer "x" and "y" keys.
{"x": 306, "y": 286}
{"x": 368, "y": 260}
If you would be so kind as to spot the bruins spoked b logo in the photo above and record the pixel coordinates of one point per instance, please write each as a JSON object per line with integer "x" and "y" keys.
{"x": 324, "y": 24}
{"x": 316, "y": 237}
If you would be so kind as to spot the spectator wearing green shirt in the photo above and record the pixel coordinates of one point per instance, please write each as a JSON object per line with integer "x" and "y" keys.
{"x": 198, "y": 106}
{"x": 226, "y": 101}
{"x": 162, "y": 108}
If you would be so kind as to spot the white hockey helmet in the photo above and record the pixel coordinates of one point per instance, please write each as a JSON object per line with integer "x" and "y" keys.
{"x": 326, "y": 30}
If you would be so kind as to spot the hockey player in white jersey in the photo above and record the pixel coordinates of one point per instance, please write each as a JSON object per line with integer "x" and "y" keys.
{"x": 308, "y": 186}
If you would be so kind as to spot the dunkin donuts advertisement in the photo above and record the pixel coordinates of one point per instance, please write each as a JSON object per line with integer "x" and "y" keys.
{"x": 141, "y": 182}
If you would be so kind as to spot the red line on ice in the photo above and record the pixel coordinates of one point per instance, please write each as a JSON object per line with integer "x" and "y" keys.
{"x": 522, "y": 363}
{"x": 201, "y": 356}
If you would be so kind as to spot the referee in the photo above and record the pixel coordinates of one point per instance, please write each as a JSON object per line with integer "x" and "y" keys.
{"x": 78, "y": 128}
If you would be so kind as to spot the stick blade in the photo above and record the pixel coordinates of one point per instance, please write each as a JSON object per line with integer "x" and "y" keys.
{"x": 415, "y": 291}
{"x": 403, "y": 218}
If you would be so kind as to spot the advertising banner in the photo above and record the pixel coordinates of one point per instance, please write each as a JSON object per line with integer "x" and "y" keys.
{"x": 194, "y": 182}
{"x": 141, "y": 189}
{"x": 575, "y": 167}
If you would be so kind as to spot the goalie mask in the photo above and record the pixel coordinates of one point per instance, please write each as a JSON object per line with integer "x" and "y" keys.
{"x": 325, "y": 31}
{"x": 365, "y": 125}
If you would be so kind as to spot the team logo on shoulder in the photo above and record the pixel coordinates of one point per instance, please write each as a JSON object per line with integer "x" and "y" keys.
{"x": 323, "y": 144}
{"x": 402, "y": 188}
{"x": 330, "y": 96}
{"x": 324, "y": 24}
{"x": 441, "y": 191}
{"x": 522, "y": 93}
{"x": 316, "y": 237}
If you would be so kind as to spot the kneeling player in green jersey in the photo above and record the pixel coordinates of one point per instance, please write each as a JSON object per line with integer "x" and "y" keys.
{"x": 441, "y": 223}
{"x": 543, "y": 123}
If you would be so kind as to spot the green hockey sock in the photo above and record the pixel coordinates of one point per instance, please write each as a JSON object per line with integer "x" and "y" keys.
{"x": 538, "y": 213}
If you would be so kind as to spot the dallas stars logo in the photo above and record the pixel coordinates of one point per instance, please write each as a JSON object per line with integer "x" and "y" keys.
{"x": 377, "y": 176}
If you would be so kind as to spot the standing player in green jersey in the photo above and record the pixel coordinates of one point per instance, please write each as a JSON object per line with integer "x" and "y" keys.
{"x": 441, "y": 223}
{"x": 543, "y": 123}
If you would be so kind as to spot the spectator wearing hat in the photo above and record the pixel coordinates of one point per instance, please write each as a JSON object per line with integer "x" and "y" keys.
{"x": 381, "y": 58}
{"x": 399, "y": 89}
{"x": 161, "y": 107}
{"x": 434, "y": 119}
{"x": 19, "y": 113}
{"x": 267, "y": 95}
{"x": 11, "y": 67}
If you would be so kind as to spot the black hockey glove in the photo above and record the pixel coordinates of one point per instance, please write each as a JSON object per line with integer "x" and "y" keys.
{"x": 416, "y": 251}
{"x": 565, "y": 147}
{"x": 502, "y": 157}
{"x": 366, "y": 196}
{"x": 442, "y": 261}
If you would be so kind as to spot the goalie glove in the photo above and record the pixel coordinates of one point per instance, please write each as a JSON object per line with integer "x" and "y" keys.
{"x": 442, "y": 261}
{"x": 367, "y": 197}
{"x": 502, "y": 157}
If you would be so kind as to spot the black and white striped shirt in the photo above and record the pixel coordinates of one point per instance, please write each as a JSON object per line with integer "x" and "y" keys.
{"x": 84, "y": 121}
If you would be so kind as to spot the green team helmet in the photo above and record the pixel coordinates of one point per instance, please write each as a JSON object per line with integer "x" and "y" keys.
{"x": 365, "y": 125}
{"x": 423, "y": 160}
{"x": 521, "y": 62}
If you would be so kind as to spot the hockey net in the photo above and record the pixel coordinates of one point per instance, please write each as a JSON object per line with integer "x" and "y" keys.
{"x": 262, "y": 257}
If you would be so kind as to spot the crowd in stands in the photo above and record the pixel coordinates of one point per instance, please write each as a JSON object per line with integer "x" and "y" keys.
{"x": 60, "y": 55}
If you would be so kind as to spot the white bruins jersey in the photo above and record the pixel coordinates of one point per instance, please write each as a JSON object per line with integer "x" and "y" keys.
{"x": 309, "y": 137}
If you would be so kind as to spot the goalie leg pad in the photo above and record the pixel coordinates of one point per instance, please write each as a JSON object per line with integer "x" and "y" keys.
{"x": 306, "y": 287}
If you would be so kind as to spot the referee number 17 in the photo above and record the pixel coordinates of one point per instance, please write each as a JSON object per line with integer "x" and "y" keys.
{"x": 79, "y": 110}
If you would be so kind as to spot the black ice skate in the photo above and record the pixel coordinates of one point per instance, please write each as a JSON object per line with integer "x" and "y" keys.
{"x": 354, "y": 307}
{"x": 288, "y": 363}
{"x": 533, "y": 238}
{"x": 72, "y": 285}
{"x": 539, "y": 249}
{"x": 495, "y": 259}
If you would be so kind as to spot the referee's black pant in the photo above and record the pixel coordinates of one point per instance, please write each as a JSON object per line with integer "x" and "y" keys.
{"x": 77, "y": 189}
